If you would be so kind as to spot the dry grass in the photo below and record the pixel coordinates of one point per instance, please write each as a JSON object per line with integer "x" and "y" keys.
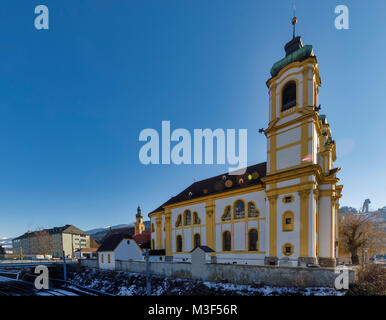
{"x": 371, "y": 281}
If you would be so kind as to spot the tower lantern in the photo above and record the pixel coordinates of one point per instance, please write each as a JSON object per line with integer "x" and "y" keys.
{"x": 139, "y": 225}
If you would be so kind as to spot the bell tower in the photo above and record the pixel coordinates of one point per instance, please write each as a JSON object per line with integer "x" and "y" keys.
{"x": 139, "y": 225}
{"x": 293, "y": 97}
{"x": 299, "y": 162}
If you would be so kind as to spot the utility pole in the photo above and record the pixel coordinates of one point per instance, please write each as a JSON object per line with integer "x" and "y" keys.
{"x": 64, "y": 267}
{"x": 148, "y": 276}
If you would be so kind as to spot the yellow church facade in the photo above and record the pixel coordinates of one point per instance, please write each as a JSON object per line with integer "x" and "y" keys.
{"x": 280, "y": 212}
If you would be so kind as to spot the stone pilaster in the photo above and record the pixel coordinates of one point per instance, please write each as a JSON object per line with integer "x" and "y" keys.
{"x": 210, "y": 224}
{"x": 168, "y": 234}
{"x": 158, "y": 222}
{"x": 305, "y": 215}
{"x": 272, "y": 258}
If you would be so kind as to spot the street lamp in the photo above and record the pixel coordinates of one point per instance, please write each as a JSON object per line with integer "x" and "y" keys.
{"x": 366, "y": 250}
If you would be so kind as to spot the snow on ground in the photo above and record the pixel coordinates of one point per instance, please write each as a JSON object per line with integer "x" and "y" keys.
{"x": 132, "y": 284}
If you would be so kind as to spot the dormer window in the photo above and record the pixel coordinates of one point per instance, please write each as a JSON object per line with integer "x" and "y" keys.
{"x": 289, "y": 96}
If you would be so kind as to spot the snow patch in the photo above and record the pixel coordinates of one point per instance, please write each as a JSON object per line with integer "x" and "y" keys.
{"x": 133, "y": 284}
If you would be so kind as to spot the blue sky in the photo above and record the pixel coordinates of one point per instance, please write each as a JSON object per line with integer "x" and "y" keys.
{"x": 73, "y": 99}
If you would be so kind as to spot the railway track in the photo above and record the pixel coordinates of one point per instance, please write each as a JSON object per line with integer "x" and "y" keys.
{"x": 12, "y": 287}
{"x": 25, "y": 287}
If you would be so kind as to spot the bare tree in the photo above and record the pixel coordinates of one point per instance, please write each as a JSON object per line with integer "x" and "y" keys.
{"x": 42, "y": 242}
{"x": 347, "y": 209}
{"x": 358, "y": 231}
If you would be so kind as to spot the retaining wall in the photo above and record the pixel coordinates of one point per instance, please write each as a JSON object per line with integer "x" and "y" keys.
{"x": 240, "y": 274}
{"x": 89, "y": 263}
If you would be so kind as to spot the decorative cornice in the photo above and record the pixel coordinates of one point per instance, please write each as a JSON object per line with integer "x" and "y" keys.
{"x": 273, "y": 198}
{"x": 293, "y": 173}
{"x": 271, "y": 125}
{"x": 209, "y": 213}
{"x": 304, "y": 194}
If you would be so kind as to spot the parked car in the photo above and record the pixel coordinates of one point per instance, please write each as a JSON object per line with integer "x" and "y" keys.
{"x": 380, "y": 258}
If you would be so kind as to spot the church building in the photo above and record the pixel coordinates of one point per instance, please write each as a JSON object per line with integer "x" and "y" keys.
{"x": 139, "y": 226}
{"x": 281, "y": 211}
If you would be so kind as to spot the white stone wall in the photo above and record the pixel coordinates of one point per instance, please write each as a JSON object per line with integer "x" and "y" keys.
{"x": 241, "y": 273}
{"x": 288, "y": 157}
{"x": 128, "y": 249}
{"x": 105, "y": 264}
{"x": 240, "y": 258}
{"x": 288, "y": 137}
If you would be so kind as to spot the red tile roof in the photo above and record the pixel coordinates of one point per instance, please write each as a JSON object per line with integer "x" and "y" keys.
{"x": 89, "y": 249}
{"x": 144, "y": 238}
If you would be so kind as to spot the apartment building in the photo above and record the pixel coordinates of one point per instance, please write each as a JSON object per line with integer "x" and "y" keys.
{"x": 52, "y": 242}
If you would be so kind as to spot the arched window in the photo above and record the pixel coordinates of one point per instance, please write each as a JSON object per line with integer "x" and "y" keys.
{"x": 252, "y": 211}
{"x": 196, "y": 218}
{"x": 179, "y": 243}
{"x": 179, "y": 221}
{"x": 152, "y": 227}
{"x": 252, "y": 240}
{"x": 152, "y": 244}
{"x": 227, "y": 214}
{"x": 239, "y": 209}
{"x": 288, "y": 96}
{"x": 288, "y": 221}
{"x": 226, "y": 241}
{"x": 197, "y": 240}
{"x": 188, "y": 217}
